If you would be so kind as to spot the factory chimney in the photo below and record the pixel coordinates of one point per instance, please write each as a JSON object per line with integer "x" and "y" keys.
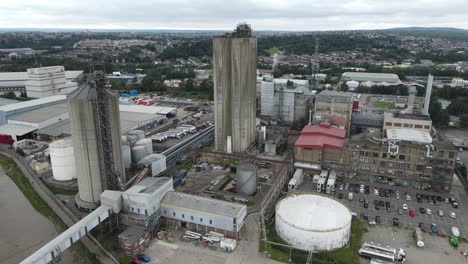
{"x": 427, "y": 99}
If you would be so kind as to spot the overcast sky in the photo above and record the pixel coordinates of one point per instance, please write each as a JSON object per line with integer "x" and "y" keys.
{"x": 302, "y": 15}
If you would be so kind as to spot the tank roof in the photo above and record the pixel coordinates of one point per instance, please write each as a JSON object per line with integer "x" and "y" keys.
{"x": 301, "y": 211}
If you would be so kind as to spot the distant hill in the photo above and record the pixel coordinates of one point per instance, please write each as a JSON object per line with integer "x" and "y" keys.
{"x": 433, "y": 29}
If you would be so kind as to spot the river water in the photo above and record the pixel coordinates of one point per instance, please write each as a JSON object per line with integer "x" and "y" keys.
{"x": 23, "y": 230}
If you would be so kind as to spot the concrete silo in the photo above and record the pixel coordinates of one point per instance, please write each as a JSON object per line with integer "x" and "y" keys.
{"x": 235, "y": 85}
{"x": 246, "y": 178}
{"x": 97, "y": 141}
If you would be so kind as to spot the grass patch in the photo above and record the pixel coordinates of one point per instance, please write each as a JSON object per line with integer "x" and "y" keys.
{"x": 272, "y": 50}
{"x": 384, "y": 104}
{"x": 56, "y": 190}
{"x": 17, "y": 176}
{"x": 345, "y": 255}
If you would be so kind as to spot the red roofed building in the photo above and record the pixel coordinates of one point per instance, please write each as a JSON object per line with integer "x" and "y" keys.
{"x": 319, "y": 147}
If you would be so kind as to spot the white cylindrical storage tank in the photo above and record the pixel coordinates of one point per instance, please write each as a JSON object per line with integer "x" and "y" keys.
{"x": 352, "y": 85}
{"x": 62, "y": 159}
{"x": 138, "y": 152}
{"x": 139, "y": 133}
{"x": 246, "y": 178}
{"x": 127, "y": 156}
{"x": 312, "y": 222}
{"x": 147, "y": 143}
{"x": 132, "y": 138}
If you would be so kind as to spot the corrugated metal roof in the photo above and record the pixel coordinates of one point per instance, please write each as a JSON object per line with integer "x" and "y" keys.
{"x": 31, "y": 103}
{"x": 16, "y": 129}
{"x": 410, "y": 135}
{"x": 204, "y": 204}
{"x": 162, "y": 110}
{"x": 41, "y": 114}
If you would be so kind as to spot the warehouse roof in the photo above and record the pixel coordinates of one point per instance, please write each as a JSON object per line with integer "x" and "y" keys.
{"x": 322, "y": 136}
{"x": 32, "y": 103}
{"x": 370, "y": 76}
{"x": 204, "y": 204}
{"x": 162, "y": 110}
{"x": 16, "y": 129}
{"x": 324, "y": 129}
{"x": 411, "y": 135}
{"x": 128, "y": 121}
{"x": 148, "y": 185}
{"x": 41, "y": 114}
{"x": 5, "y": 101}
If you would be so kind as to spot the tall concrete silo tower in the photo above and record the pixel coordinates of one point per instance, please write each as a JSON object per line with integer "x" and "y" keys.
{"x": 235, "y": 79}
{"x": 95, "y": 129}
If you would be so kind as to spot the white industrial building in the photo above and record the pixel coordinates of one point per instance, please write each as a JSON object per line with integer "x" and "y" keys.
{"x": 204, "y": 214}
{"x": 47, "y": 81}
{"x": 40, "y": 82}
{"x": 145, "y": 197}
{"x": 297, "y": 222}
{"x": 285, "y": 103}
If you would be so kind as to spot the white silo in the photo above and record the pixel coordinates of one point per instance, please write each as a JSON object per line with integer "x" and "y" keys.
{"x": 246, "y": 178}
{"x": 62, "y": 159}
{"x": 352, "y": 85}
{"x": 147, "y": 143}
{"x": 138, "y": 153}
{"x": 139, "y": 133}
{"x": 127, "y": 156}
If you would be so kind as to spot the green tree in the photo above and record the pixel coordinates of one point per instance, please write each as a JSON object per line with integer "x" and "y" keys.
{"x": 9, "y": 95}
{"x": 464, "y": 120}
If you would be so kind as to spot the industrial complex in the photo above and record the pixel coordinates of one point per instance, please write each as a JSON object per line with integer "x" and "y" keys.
{"x": 269, "y": 158}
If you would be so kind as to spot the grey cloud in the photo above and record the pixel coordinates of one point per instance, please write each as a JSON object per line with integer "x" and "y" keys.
{"x": 219, "y": 14}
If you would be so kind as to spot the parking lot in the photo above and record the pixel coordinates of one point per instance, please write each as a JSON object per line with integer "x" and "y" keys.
{"x": 444, "y": 223}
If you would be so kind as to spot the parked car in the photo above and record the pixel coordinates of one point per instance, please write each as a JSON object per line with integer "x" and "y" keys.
{"x": 440, "y": 213}
{"x": 361, "y": 188}
{"x": 387, "y": 204}
{"x": 144, "y": 258}
{"x": 453, "y": 215}
{"x": 377, "y": 219}
{"x": 446, "y": 200}
{"x": 341, "y": 187}
{"x": 382, "y": 203}
{"x": 395, "y": 221}
{"x": 340, "y": 196}
{"x": 455, "y": 205}
{"x": 422, "y": 226}
{"x": 361, "y": 200}
{"x": 405, "y": 207}
{"x": 377, "y": 207}
{"x": 428, "y": 211}
{"x": 411, "y": 213}
{"x": 434, "y": 228}
{"x": 400, "y": 211}
{"x": 389, "y": 210}
{"x": 408, "y": 197}
{"x": 376, "y": 191}
{"x": 422, "y": 210}
{"x": 366, "y": 205}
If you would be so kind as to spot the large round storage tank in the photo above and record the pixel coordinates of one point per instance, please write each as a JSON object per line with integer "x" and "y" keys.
{"x": 352, "y": 85}
{"x": 138, "y": 152}
{"x": 312, "y": 222}
{"x": 127, "y": 156}
{"x": 246, "y": 178}
{"x": 139, "y": 133}
{"x": 62, "y": 159}
{"x": 147, "y": 143}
